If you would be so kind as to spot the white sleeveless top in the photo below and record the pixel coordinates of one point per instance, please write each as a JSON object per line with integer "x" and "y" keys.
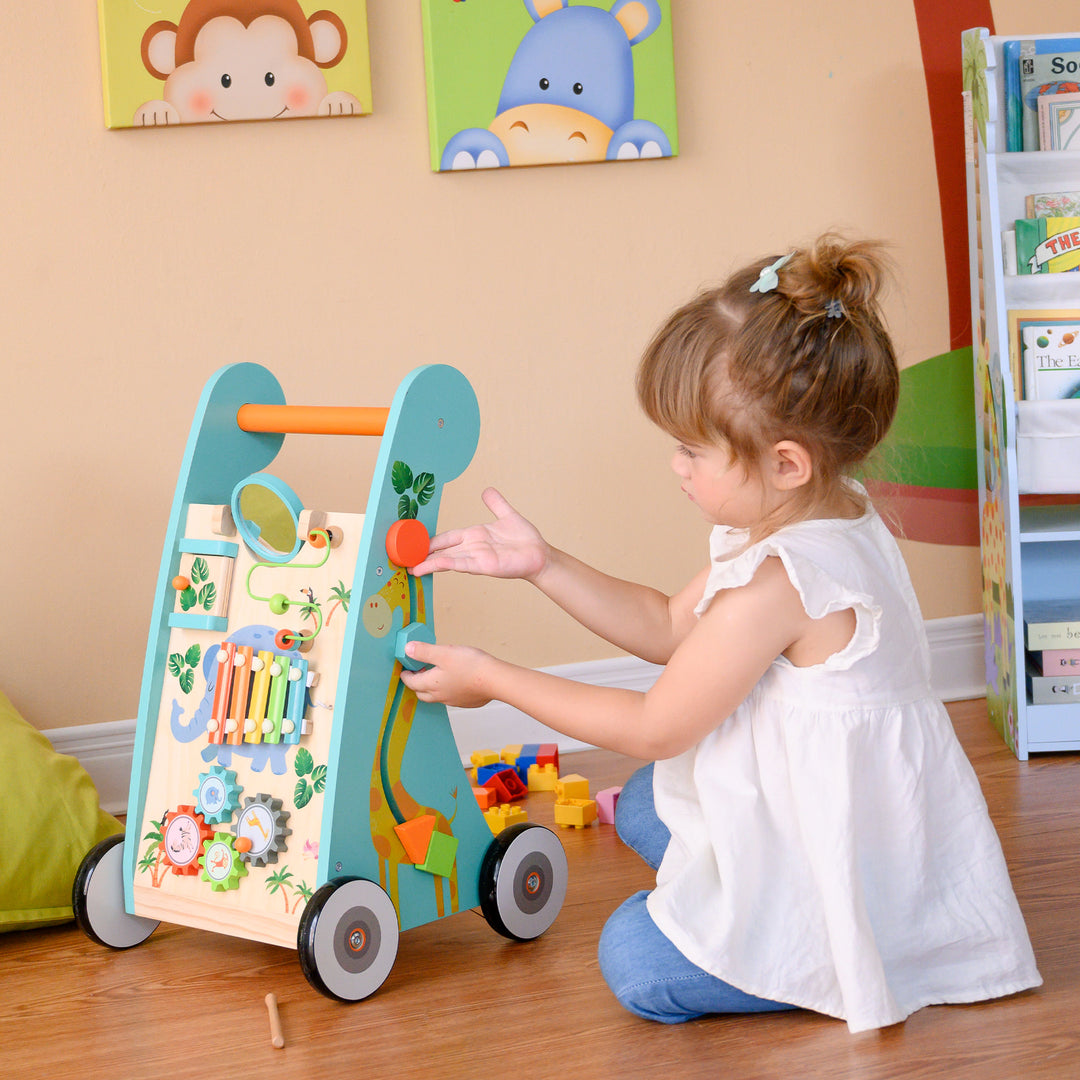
{"x": 830, "y": 845}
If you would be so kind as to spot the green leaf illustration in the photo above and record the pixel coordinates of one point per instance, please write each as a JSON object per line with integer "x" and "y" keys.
{"x": 401, "y": 476}
{"x": 406, "y": 507}
{"x": 318, "y": 778}
{"x": 424, "y": 486}
{"x": 303, "y": 762}
{"x": 200, "y": 571}
{"x": 176, "y": 664}
{"x": 302, "y": 794}
{"x": 193, "y": 655}
{"x": 208, "y": 596}
{"x": 187, "y": 680}
{"x": 188, "y": 599}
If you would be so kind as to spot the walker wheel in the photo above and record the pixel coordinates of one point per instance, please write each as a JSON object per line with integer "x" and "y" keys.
{"x": 523, "y": 881}
{"x": 348, "y": 938}
{"x": 97, "y": 897}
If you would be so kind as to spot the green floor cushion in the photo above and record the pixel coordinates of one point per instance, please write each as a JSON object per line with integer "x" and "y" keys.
{"x": 51, "y": 820}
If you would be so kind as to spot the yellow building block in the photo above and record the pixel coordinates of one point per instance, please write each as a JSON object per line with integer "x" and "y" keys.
{"x": 483, "y": 757}
{"x": 572, "y": 786}
{"x": 503, "y": 816}
{"x": 510, "y": 754}
{"x": 576, "y": 813}
{"x": 543, "y": 777}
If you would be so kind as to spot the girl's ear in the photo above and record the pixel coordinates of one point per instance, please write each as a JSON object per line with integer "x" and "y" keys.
{"x": 792, "y": 465}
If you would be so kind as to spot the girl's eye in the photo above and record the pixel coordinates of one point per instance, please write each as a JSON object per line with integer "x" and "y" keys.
{"x": 226, "y": 81}
{"x": 685, "y": 451}
{"x": 268, "y": 78}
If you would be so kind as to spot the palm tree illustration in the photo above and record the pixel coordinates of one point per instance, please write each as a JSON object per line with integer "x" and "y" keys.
{"x": 303, "y": 893}
{"x": 154, "y": 855}
{"x": 279, "y": 879}
{"x": 341, "y": 596}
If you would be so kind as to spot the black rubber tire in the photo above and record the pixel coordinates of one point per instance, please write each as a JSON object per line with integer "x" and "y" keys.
{"x": 97, "y": 898}
{"x": 523, "y": 881}
{"x": 348, "y": 938}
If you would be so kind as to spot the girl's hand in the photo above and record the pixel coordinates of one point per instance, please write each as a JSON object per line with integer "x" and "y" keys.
{"x": 508, "y": 547}
{"x": 456, "y": 676}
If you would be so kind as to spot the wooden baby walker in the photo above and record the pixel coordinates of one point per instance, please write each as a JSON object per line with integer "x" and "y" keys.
{"x": 286, "y": 786}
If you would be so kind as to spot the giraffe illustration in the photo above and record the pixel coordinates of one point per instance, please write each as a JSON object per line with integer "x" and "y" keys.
{"x": 391, "y": 803}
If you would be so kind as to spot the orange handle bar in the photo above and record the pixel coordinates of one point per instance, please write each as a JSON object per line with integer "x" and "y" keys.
{"x": 312, "y": 419}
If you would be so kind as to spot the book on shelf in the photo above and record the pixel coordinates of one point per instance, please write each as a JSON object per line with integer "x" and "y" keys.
{"x": 1034, "y": 67}
{"x": 1053, "y": 689}
{"x": 1052, "y": 624}
{"x": 1053, "y": 204}
{"x": 1047, "y": 245}
{"x": 1059, "y": 122}
{"x": 1050, "y": 360}
{"x": 1051, "y": 662}
{"x": 1022, "y": 319}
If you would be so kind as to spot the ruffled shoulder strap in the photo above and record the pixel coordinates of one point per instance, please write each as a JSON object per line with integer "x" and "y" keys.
{"x": 815, "y": 559}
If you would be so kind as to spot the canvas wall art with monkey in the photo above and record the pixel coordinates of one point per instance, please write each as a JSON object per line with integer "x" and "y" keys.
{"x": 205, "y": 61}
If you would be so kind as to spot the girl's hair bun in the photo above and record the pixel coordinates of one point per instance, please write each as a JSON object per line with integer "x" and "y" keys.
{"x": 852, "y": 272}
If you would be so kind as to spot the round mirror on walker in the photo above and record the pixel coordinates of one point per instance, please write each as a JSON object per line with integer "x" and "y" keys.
{"x": 267, "y": 515}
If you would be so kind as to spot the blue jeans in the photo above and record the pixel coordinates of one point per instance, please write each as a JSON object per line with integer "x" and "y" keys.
{"x": 647, "y": 974}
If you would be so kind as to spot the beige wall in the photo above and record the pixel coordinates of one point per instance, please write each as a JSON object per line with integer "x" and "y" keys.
{"x": 138, "y": 262}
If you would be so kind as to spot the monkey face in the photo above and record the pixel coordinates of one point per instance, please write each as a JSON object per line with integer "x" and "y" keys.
{"x": 245, "y": 73}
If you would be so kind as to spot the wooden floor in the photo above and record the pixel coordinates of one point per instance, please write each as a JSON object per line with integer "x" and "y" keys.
{"x": 464, "y": 1002}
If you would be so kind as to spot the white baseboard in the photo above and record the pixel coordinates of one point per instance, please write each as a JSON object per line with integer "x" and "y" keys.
{"x": 104, "y": 750}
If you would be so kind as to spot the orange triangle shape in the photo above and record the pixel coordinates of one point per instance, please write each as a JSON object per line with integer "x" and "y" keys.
{"x": 415, "y": 836}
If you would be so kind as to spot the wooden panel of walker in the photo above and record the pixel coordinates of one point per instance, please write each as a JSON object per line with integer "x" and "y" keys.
{"x": 266, "y": 902}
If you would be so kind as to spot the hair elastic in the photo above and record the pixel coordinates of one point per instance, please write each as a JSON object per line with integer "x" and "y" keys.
{"x": 834, "y": 309}
{"x": 767, "y": 279}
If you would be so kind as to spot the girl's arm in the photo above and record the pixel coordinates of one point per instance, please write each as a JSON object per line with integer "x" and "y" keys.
{"x": 713, "y": 669}
{"x": 637, "y": 618}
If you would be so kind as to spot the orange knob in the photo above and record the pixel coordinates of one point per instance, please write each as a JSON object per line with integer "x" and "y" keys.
{"x": 407, "y": 542}
{"x": 180, "y": 583}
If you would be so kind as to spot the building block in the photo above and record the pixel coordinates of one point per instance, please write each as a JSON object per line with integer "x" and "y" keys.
{"x": 525, "y": 758}
{"x": 510, "y": 754}
{"x": 441, "y": 854}
{"x": 578, "y": 813}
{"x": 606, "y": 801}
{"x": 483, "y": 757}
{"x": 542, "y": 777}
{"x": 485, "y": 797}
{"x": 548, "y": 754}
{"x": 503, "y": 816}
{"x": 415, "y": 836}
{"x": 572, "y": 786}
{"x": 507, "y": 786}
{"x": 484, "y": 772}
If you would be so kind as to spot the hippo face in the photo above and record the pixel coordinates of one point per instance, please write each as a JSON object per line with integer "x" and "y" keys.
{"x": 570, "y": 81}
{"x": 568, "y": 95}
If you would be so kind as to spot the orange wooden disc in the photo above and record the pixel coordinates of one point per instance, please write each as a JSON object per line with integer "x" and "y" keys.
{"x": 407, "y": 542}
{"x": 242, "y": 844}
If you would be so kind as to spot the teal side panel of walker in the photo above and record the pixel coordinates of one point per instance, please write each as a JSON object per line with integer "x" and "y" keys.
{"x": 385, "y": 760}
{"x": 218, "y": 456}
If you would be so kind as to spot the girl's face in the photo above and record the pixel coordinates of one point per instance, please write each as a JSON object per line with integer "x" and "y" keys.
{"x": 723, "y": 490}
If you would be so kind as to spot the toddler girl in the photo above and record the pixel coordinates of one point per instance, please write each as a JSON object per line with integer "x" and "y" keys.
{"x": 820, "y": 838}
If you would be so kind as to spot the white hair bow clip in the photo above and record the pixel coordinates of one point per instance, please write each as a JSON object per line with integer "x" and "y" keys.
{"x": 767, "y": 279}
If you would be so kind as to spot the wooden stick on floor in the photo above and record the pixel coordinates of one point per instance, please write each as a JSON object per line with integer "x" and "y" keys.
{"x": 276, "y": 1038}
